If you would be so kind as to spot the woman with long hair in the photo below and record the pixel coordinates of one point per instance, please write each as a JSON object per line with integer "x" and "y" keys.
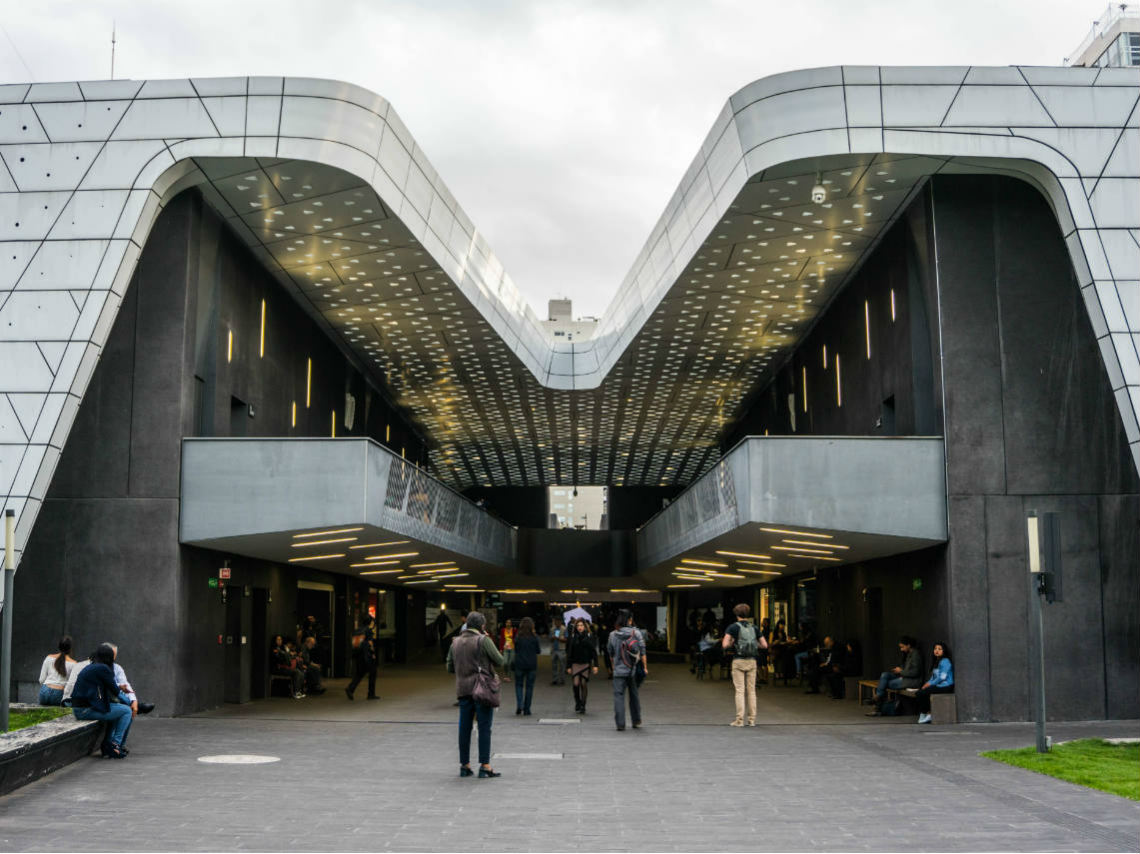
{"x": 54, "y": 673}
{"x": 582, "y": 660}
{"x": 941, "y": 681}
{"x": 526, "y": 665}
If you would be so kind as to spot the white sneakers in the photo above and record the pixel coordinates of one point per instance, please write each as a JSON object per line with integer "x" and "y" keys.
{"x": 925, "y": 718}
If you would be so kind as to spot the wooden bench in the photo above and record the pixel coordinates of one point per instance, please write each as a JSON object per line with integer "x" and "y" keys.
{"x": 871, "y": 685}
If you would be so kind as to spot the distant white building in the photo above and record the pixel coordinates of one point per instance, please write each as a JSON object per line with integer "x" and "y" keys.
{"x": 1113, "y": 41}
{"x": 561, "y": 324}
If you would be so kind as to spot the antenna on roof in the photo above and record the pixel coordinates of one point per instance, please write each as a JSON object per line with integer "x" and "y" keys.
{"x": 112, "y": 50}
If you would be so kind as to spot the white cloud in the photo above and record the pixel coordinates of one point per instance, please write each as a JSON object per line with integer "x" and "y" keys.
{"x": 561, "y": 127}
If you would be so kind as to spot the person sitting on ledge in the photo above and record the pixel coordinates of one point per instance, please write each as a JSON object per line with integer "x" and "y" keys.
{"x": 96, "y": 697}
{"x": 941, "y": 681}
{"x": 909, "y": 675}
{"x": 54, "y": 674}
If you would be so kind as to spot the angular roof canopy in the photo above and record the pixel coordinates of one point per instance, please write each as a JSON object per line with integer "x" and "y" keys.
{"x": 729, "y": 279}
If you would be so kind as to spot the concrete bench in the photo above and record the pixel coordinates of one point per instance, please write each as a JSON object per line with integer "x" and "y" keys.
{"x": 30, "y": 753}
{"x": 943, "y": 709}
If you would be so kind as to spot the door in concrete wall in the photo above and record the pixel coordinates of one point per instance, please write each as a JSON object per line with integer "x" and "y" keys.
{"x": 315, "y": 599}
{"x": 238, "y": 662}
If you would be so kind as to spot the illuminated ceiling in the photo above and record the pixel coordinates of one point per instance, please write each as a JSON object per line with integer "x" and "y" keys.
{"x": 737, "y": 310}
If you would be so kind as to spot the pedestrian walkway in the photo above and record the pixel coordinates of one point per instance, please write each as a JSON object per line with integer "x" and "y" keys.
{"x": 816, "y": 775}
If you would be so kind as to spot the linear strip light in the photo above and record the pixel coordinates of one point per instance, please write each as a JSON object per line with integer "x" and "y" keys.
{"x": 696, "y": 562}
{"x": 323, "y": 533}
{"x": 818, "y": 557}
{"x": 690, "y": 577}
{"x": 802, "y": 549}
{"x": 380, "y": 545}
{"x": 574, "y": 591}
{"x": 804, "y": 370}
{"x": 760, "y": 563}
{"x": 422, "y": 581}
{"x": 294, "y": 420}
{"x": 437, "y": 563}
{"x": 838, "y": 383}
{"x": 313, "y": 557}
{"x": 377, "y": 571}
{"x": 516, "y": 592}
{"x": 821, "y": 545}
{"x": 306, "y": 543}
{"x": 761, "y": 572}
{"x": 797, "y": 533}
{"x": 434, "y": 571}
{"x": 867, "y": 324}
{"x": 309, "y": 384}
{"x": 892, "y": 305}
{"x": 372, "y": 562}
{"x": 388, "y": 557}
{"x": 261, "y": 346}
{"x": 673, "y": 586}
{"x": 630, "y": 590}
{"x": 453, "y": 575}
{"x": 725, "y": 575}
{"x": 743, "y": 554}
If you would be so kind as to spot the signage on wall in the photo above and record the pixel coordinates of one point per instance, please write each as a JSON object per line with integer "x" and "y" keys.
{"x": 213, "y": 583}
{"x": 224, "y": 573}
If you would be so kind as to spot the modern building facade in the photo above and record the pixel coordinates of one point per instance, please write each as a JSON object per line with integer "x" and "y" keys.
{"x": 258, "y": 364}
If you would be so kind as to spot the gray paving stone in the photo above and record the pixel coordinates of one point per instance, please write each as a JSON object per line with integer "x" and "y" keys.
{"x": 382, "y": 776}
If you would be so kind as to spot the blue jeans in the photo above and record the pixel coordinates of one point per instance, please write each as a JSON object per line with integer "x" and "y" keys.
{"x": 622, "y": 685}
{"x": 469, "y": 713}
{"x": 50, "y": 696}
{"x": 887, "y": 680}
{"x": 117, "y": 716}
{"x": 801, "y": 657}
{"x": 522, "y": 700}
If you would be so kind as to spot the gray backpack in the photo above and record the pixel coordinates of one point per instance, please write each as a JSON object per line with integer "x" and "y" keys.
{"x": 746, "y": 643}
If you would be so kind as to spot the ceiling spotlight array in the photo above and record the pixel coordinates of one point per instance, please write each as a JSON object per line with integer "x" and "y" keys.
{"x": 738, "y": 306}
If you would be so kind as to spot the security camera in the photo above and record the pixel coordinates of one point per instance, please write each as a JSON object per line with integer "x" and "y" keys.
{"x": 818, "y": 194}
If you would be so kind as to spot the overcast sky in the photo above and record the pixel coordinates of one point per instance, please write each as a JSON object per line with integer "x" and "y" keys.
{"x": 561, "y": 127}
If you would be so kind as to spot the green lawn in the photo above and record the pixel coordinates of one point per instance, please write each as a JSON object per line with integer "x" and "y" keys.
{"x": 1089, "y": 762}
{"x": 19, "y": 720}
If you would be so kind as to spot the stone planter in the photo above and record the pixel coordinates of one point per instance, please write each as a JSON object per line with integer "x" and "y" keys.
{"x": 28, "y": 754}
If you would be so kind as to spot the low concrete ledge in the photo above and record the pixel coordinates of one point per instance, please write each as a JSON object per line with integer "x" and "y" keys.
{"x": 31, "y": 753}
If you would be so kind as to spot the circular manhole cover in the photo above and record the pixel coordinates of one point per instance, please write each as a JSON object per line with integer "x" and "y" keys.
{"x": 238, "y": 759}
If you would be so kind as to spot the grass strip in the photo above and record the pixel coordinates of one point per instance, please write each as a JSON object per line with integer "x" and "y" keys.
{"x": 20, "y": 720}
{"x": 1090, "y": 762}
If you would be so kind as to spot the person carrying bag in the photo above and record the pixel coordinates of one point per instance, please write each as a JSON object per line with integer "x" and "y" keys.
{"x": 473, "y": 658}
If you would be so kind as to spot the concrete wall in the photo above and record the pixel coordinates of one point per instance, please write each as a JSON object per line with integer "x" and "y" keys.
{"x": 103, "y": 561}
{"x": 992, "y": 347}
{"x": 1030, "y": 424}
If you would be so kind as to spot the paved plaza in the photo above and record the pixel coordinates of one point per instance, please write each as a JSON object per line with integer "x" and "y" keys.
{"x": 816, "y": 775}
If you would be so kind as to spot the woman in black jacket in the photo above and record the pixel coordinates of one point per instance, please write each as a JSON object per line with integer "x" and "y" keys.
{"x": 97, "y": 698}
{"x": 581, "y": 656}
{"x": 526, "y": 665}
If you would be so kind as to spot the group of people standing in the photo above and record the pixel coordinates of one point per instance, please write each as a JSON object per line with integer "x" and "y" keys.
{"x": 474, "y": 656}
{"x": 96, "y": 690}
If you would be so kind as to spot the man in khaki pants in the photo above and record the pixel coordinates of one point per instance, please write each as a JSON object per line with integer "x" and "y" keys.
{"x": 745, "y": 638}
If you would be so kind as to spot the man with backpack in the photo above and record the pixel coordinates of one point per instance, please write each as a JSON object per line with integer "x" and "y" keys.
{"x": 746, "y": 640}
{"x": 627, "y": 650}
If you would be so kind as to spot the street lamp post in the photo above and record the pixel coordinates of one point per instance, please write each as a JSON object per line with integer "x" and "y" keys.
{"x": 1044, "y": 541}
{"x": 6, "y": 626}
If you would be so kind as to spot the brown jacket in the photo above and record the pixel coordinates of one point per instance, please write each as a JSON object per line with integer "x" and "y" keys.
{"x": 470, "y": 650}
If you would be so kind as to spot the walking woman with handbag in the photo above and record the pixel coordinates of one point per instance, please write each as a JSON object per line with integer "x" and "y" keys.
{"x": 473, "y": 658}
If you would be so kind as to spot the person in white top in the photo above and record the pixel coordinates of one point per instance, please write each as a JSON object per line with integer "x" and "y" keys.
{"x": 121, "y": 680}
{"x": 54, "y": 673}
